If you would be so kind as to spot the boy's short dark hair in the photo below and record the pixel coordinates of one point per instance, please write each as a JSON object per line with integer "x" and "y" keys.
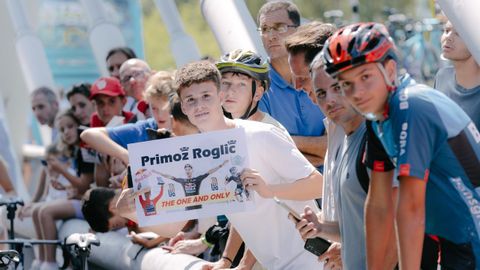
{"x": 309, "y": 39}
{"x": 197, "y": 72}
{"x": 95, "y": 208}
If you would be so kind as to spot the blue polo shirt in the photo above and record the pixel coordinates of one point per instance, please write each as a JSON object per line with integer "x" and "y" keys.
{"x": 292, "y": 108}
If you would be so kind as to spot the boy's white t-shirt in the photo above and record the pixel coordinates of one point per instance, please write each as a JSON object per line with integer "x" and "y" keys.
{"x": 266, "y": 230}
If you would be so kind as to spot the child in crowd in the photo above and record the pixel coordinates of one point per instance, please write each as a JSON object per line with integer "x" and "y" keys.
{"x": 113, "y": 141}
{"x": 244, "y": 80}
{"x": 435, "y": 147}
{"x": 101, "y": 213}
{"x": 81, "y": 105}
{"x": 159, "y": 97}
{"x": 109, "y": 98}
{"x": 69, "y": 166}
{"x": 290, "y": 177}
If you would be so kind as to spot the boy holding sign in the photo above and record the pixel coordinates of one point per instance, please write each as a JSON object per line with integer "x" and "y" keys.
{"x": 289, "y": 176}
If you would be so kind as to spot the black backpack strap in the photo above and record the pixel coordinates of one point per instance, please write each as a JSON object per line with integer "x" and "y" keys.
{"x": 360, "y": 168}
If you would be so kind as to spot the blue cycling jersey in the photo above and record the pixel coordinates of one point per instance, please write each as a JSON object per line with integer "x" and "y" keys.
{"x": 430, "y": 137}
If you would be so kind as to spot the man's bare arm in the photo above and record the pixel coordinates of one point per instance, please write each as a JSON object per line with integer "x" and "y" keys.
{"x": 313, "y": 147}
{"x": 411, "y": 221}
{"x": 379, "y": 209}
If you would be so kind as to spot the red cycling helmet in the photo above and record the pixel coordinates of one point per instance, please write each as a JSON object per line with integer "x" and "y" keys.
{"x": 355, "y": 45}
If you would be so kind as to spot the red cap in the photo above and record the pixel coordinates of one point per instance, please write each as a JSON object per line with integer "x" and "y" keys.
{"x": 108, "y": 86}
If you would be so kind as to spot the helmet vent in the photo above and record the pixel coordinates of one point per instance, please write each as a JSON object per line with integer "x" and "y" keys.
{"x": 372, "y": 43}
{"x": 351, "y": 44}
{"x": 339, "y": 49}
{"x": 355, "y": 28}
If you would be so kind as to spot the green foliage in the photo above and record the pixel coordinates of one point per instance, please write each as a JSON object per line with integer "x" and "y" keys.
{"x": 157, "y": 40}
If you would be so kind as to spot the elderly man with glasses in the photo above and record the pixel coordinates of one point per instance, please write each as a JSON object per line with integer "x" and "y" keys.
{"x": 134, "y": 74}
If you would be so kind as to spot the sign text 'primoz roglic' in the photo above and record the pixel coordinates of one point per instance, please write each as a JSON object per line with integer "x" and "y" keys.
{"x": 195, "y": 153}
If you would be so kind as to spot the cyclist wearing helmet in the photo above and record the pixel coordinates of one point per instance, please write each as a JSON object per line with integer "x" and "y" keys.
{"x": 244, "y": 80}
{"x": 433, "y": 143}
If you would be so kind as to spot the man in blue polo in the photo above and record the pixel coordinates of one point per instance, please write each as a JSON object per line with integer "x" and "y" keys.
{"x": 291, "y": 107}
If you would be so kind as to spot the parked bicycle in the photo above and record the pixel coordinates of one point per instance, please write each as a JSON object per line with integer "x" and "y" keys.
{"x": 76, "y": 247}
{"x": 418, "y": 44}
{"x": 9, "y": 259}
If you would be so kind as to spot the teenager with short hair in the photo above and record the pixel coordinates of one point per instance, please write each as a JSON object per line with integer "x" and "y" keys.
{"x": 433, "y": 142}
{"x": 461, "y": 81}
{"x": 290, "y": 176}
{"x": 113, "y": 141}
{"x": 109, "y": 98}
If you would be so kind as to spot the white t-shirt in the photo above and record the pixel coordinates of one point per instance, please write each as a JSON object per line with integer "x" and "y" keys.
{"x": 267, "y": 118}
{"x": 266, "y": 230}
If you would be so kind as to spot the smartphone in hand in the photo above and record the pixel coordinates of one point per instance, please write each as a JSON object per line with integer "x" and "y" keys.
{"x": 285, "y": 206}
{"x": 317, "y": 245}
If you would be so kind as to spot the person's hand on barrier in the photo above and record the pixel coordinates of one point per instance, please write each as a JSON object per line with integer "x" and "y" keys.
{"x": 218, "y": 265}
{"x": 26, "y": 211}
{"x": 146, "y": 242}
{"x": 309, "y": 225}
{"x": 189, "y": 246}
{"x": 252, "y": 180}
{"x": 180, "y": 236}
{"x": 332, "y": 258}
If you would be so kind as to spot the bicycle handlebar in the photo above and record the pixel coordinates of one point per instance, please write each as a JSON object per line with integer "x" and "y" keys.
{"x": 82, "y": 240}
{"x": 31, "y": 242}
{"x": 11, "y": 201}
{"x": 8, "y": 256}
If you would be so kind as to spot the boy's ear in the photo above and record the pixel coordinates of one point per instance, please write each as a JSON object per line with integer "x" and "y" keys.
{"x": 124, "y": 100}
{"x": 260, "y": 89}
{"x": 391, "y": 69}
